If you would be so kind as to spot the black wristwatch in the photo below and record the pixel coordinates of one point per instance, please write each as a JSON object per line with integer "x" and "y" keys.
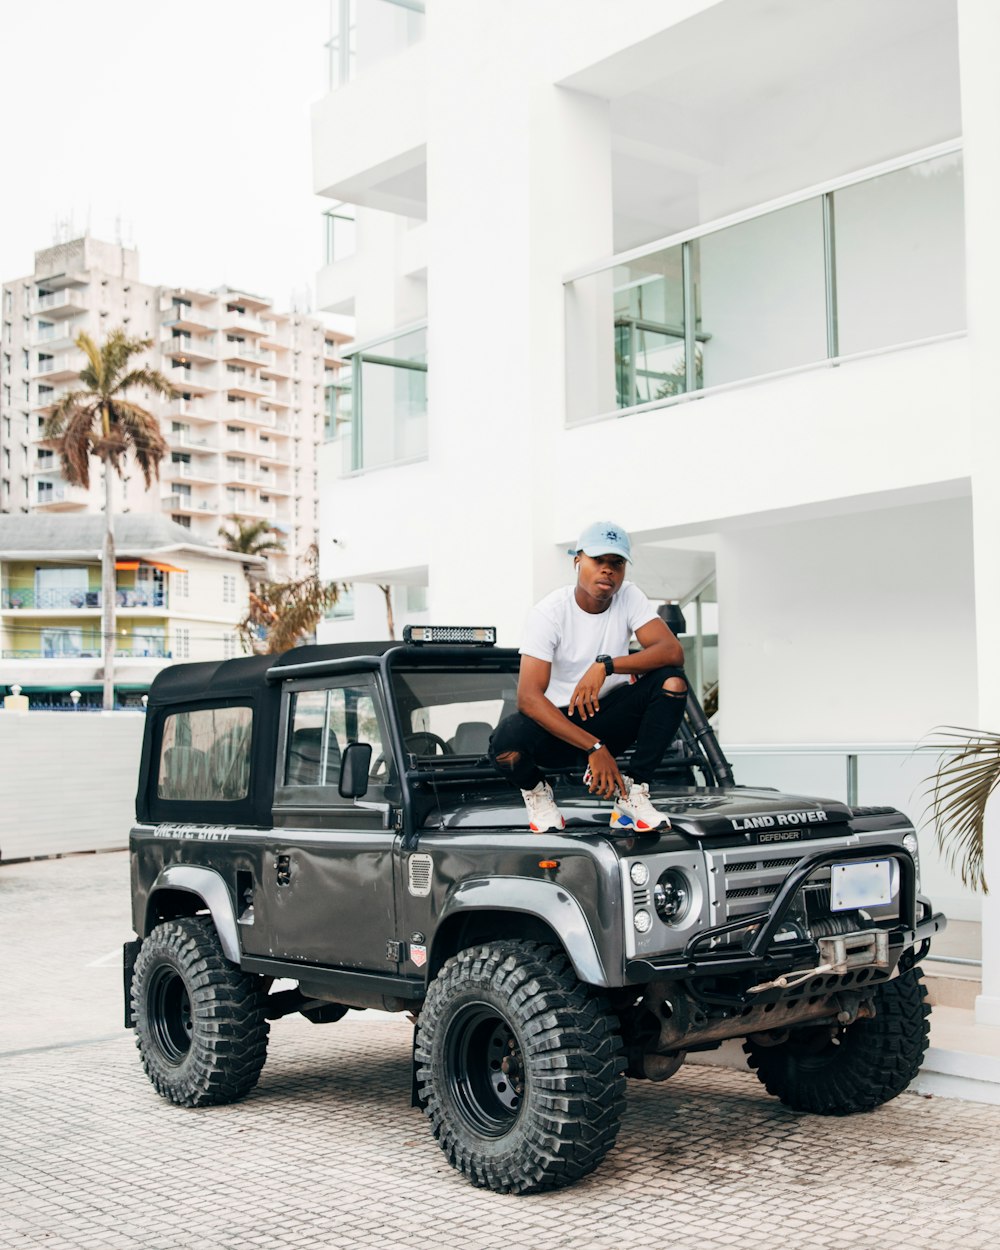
{"x": 608, "y": 662}
{"x": 596, "y": 747}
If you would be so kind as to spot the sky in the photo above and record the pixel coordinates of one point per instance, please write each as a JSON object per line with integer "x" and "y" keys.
{"x": 182, "y": 130}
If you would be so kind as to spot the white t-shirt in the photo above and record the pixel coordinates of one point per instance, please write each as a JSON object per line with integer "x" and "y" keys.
{"x": 559, "y": 631}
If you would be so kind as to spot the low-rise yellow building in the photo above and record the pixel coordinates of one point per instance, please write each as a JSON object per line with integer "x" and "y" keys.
{"x": 176, "y": 599}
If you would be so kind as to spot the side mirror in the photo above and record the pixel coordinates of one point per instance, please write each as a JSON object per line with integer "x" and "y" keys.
{"x": 355, "y": 764}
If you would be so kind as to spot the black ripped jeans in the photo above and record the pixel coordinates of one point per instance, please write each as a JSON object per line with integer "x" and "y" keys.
{"x": 642, "y": 713}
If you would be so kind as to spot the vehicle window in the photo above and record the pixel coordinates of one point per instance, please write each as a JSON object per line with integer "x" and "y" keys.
{"x": 321, "y": 724}
{"x": 458, "y": 710}
{"x": 205, "y": 754}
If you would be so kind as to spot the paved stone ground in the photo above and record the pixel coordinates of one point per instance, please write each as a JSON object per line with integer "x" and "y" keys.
{"x": 327, "y": 1152}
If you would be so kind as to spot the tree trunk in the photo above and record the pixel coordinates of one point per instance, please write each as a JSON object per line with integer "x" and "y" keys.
{"x": 108, "y": 638}
{"x": 389, "y": 619}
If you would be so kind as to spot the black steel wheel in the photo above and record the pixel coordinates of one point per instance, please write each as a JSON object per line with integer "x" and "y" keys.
{"x": 519, "y": 1068}
{"x": 830, "y": 1071}
{"x": 199, "y": 1022}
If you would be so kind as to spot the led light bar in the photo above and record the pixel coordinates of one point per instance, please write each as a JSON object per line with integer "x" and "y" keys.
{"x": 476, "y": 635}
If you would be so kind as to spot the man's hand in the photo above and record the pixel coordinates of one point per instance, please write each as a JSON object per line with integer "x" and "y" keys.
{"x": 605, "y": 778}
{"x": 584, "y": 698}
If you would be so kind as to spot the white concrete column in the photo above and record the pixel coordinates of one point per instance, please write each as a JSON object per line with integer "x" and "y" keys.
{"x": 519, "y": 193}
{"x": 979, "y": 54}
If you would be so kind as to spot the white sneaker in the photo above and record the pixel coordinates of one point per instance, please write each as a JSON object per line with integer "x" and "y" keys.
{"x": 543, "y": 814}
{"x": 633, "y": 810}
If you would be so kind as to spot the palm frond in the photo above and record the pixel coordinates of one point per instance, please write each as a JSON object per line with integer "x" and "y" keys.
{"x": 139, "y": 431}
{"x": 967, "y": 775}
{"x": 146, "y": 377}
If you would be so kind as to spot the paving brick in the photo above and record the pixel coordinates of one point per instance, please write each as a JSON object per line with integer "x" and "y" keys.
{"x": 327, "y": 1153}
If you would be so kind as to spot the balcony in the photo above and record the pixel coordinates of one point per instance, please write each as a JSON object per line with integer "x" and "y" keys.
{"x": 61, "y": 304}
{"x": 60, "y": 497}
{"x": 243, "y": 352}
{"x": 199, "y": 350}
{"x": 62, "y": 600}
{"x": 190, "y": 410}
{"x": 776, "y": 292}
{"x": 185, "y": 377}
{"x": 244, "y": 323}
{"x": 248, "y": 386}
{"x": 56, "y": 600}
{"x": 276, "y": 365}
{"x": 179, "y": 317}
{"x": 54, "y": 338}
{"x": 61, "y": 368}
{"x": 188, "y": 505}
{"x": 194, "y": 471}
{"x": 184, "y": 438}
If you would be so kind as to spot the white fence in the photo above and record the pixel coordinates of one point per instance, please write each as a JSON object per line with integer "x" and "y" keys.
{"x": 67, "y": 781}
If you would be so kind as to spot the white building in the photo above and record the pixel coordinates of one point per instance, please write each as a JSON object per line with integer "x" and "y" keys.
{"x": 724, "y": 271}
{"x": 245, "y": 423}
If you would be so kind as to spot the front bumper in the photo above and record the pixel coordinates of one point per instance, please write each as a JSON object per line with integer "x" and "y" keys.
{"x": 761, "y": 956}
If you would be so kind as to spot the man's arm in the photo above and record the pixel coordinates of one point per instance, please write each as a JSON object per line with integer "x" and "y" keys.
{"x": 531, "y": 701}
{"x": 660, "y": 649}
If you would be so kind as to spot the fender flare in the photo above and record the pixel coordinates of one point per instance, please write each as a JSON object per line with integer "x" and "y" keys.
{"x": 546, "y": 900}
{"x": 209, "y": 886}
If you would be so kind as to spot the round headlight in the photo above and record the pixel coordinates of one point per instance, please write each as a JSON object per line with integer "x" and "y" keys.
{"x": 911, "y": 843}
{"x": 639, "y": 873}
{"x": 672, "y": 896}
{"x": 643, "y": 921}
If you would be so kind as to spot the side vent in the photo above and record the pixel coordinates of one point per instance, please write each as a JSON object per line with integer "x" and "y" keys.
{"x": 419, "y": 870}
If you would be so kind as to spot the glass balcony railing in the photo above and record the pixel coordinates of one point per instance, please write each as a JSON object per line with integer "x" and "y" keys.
{"x": 388, "y": 402}
{"x": 870, "y": 265}
{"x": 363, "y": 32}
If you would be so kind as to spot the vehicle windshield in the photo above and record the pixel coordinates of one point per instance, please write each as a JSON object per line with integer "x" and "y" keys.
{"x": 448, "y": 712}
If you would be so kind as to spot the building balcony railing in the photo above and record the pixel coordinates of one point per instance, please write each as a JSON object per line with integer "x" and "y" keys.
{"x": 180, "y": 317}
{"x": 180, "y": 348}
{"x": 187, "y": 504}
{"x": 869, "y": 263}
{"x": 61, "y": 304}
{"x": 245, "y": 323}
{"x": 59, "y": 368}
{"x": 59, "y": 600}
{"x": 153, "y": 651}
{"x": 59, "y": 496}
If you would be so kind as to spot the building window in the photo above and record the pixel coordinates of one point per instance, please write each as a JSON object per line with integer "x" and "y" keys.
{"x": 389, "y": 401}
{"x": 183, "y": 521}
{"x": 228, "y": 588}
{"x": 182, "y": 643}
{"x": 181, "y": 585}
{"x": 228, "y": 646}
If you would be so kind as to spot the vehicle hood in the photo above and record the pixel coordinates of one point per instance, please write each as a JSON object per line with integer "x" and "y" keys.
{"x": 739, "y": 814}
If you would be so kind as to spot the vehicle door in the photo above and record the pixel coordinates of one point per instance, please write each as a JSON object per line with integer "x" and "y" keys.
{"x": 328, "y": 895}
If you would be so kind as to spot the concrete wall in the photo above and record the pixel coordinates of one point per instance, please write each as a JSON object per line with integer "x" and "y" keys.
{"x": 67, "y": 781}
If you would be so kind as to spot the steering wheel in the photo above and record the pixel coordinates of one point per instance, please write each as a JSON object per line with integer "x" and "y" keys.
{"x": 419, "y": 742}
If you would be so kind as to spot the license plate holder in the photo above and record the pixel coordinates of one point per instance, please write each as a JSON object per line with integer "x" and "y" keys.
{"x": 865, "y": 884}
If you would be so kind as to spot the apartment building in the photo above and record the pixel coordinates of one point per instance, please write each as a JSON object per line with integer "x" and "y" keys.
{"x": 722, "y": 270}
{"x": 251, "y": 395}
{"x": 177, "y": 598}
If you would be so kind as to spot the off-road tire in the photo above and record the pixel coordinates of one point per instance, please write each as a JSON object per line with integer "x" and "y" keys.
{"x": 199, "y": 1022}
{"x": 860, "y": 1067}
{"x": 553, "y": 1114}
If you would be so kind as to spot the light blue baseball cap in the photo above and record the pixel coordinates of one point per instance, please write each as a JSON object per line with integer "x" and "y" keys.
{"x": 605, "y": 538}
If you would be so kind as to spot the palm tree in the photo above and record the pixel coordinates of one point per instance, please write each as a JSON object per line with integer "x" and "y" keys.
{"x": 959, "y": 791}
{"x": 286, "y": 613}
{"x": 98, "y": 420}
{"x": 250, "y": 538}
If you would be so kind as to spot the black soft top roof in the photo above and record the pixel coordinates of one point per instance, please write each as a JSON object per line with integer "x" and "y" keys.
{"x": 227, "y": 678}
